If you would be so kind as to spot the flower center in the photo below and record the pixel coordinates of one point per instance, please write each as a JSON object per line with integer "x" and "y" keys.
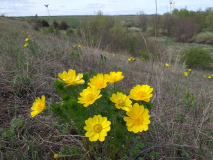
{"x": 138, "y": 121}
{"x": 99, "y": 84}
{"x": 97, "y": 128}
{"x": 90, "y": 97}
{"x": 121, "y": 103}
{"x": 114, "y": 78}
{"x": 40, "y": 107}
{"x": 141, "y": 94}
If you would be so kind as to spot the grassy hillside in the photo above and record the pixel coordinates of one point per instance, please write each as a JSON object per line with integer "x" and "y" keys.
{"x": 181, "y": 106}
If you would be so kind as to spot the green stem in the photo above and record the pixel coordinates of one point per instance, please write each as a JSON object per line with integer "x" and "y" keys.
{"x": 127, "y": 143}
{"x": 98, "y": 148}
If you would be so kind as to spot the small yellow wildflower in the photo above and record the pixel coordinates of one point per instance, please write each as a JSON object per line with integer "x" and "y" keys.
{"x": 186, "y": 73}
{"x": 138, "y": 119}
{"x": 121, "y": 101}
{"x": 114, "y": 77}
{"x": 89, "y": 96}
{"x": 98, "y": 81}
{"x": 107, "y": 53}
{"x": 56, "y": 156}
{"x": 27, "y": 39}
{"x": 70, "y": 77}
{"x": 166, "y": 64}
{"x": 190, "y": 70}
{"x": 204, "y": 76}
{"x": 97, "y": 128}
{"x": 209, "y": 77}
{"x": 113, "y": 55}
{"x": 79, "y": 46}
{"x": 38, "y": 106}
{"x": 26, "y": 44}
{"x": 73, "y": 46}
{"x": 141, "y": 93}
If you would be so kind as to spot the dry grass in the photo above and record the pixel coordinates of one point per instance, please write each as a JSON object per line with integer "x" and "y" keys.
{"x": 178, "y": 130}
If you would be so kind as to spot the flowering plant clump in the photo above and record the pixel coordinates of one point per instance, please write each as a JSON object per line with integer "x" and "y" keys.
{"x": 131, "y": 59}
{"x": 99, "y": 112}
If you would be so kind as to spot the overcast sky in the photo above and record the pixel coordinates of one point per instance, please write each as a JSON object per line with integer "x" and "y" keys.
{"x": 90, "y": 7}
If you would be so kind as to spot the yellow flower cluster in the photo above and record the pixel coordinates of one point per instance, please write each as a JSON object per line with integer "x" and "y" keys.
{"x": 186, "y": 73}
{"x": 131, "y": 59}
{"x": 137, "y": 118}
{"x": 26, "y": 40}
{"x": 209, "y": 77}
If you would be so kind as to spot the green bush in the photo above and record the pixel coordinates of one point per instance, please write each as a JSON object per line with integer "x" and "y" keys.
{"x": 45, "y": 23}
{"x": 196, "y": 58}
{"x": 50, "y": 29}
{"x": 203, "y": 38}
{"x": 69, "y": 32}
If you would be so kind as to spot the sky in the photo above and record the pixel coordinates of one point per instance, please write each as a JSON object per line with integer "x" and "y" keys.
{"x": 91, "y": 7}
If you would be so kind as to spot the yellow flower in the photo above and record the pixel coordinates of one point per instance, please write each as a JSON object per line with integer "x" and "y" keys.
{"x": 138, "y": 119}
{"x": 113, "y": 55}
{"x": 97, "y": 128}
{"x": 27, "y": 39}
{"x": 79, "y": 46}
{"x": 89, "y": 96}
{"x": 186, "y": 73}
{"x": 38, "y": 106}
{"x": 70, "y": 77}
{"x": 114, "y": 77}
{"x": 190, "y": 70}
{"x": 121, "y": 101}
{"x": 204, "y": 76}
{"x": 73, "y": 46}
{"x": 209, "y": 77}
{"x": 166, "y": 64}
{"x": 107, "y": 53}
{"x": 141, "y": 93}
{"x": 212, "y": 75}
{"x": 26, "y": 44}
{"x": 98, "y": 81}
{"x": 56, "y": 156}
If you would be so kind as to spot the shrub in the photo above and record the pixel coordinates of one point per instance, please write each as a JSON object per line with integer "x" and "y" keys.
{"x": 64, "y": 25}
{"x": 45, "y": 23}
{"x": 185, "y": 30}
{"x": 69, "y": 32}
{"x": 203, "y": 38}
{"x": 168, "y": 23}
{"x": 196, "y": 58}
{"x": 142, "y": 21}
{"x": 104, "y": 32}
{"x": 209, "y": 21}
{"x": 56, "y": 24}
{"x": 50, "y": 29}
